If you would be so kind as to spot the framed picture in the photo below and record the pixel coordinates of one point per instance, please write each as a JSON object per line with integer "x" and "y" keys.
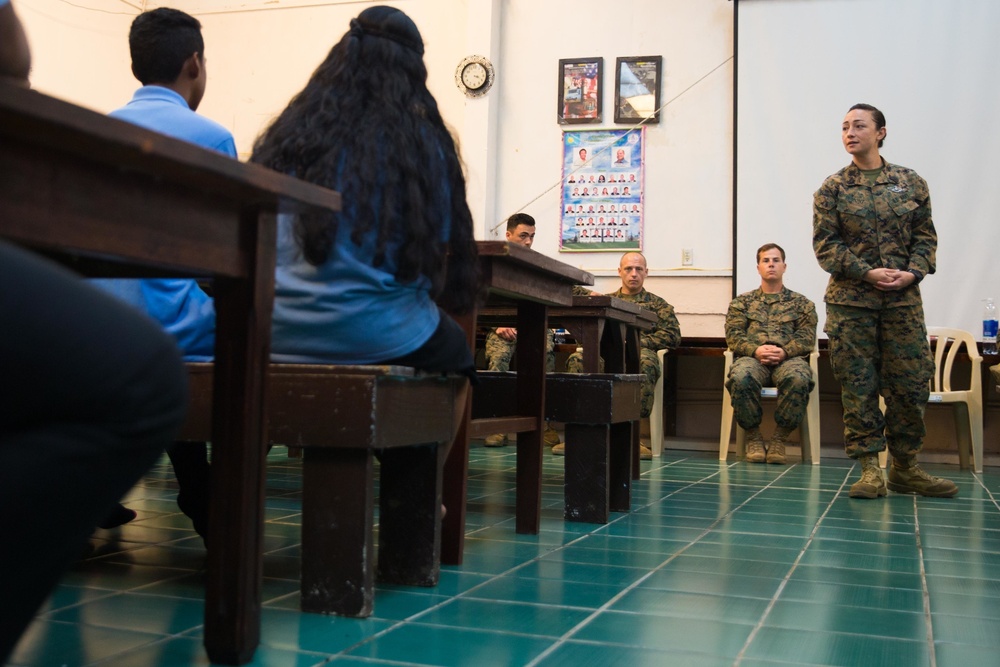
{"x": 637, "y": 89}
{"x": 580, "y": 90}
{"x": 602, "y": 190}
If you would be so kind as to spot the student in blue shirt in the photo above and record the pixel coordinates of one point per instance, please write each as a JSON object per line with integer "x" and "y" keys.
{"x": 168, "y": 58}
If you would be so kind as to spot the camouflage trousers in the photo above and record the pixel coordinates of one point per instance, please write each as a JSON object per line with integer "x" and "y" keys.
{"x": 499, "y": 352}
{"x": 793, "y": 378}
{"x": 649, "y": 366}
{"x": 881, "y": 353}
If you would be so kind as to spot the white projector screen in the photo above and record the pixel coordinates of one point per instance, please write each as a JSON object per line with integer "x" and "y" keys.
{"x": 931, "y": 67}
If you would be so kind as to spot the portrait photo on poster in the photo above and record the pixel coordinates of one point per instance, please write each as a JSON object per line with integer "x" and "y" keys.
{"x": 602, "y": 190}
{"x": 637, "y": 89}
{"x": 580, "y": 90}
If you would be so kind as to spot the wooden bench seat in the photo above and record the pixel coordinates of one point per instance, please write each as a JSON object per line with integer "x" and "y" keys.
{"x": 599, "y": 410}
{"x": 342, "y": 416}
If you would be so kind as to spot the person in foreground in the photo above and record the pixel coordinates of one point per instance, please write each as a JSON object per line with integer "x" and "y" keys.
{"x": 771, "y": 331}
{"x": 501, "y": 343}
{"x": 666, "y": 335}
{"x": 359, "y": 286}
{"x": 873, "y": 233}
{"x": 168, "y": 59}
{"x": 85, "y": 409}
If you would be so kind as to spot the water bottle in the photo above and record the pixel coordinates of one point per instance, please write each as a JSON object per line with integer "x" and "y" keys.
{"x": 990, "y": 328}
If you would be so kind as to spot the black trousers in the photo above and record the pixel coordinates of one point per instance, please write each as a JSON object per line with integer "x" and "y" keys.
{"x": 91, "y": 393}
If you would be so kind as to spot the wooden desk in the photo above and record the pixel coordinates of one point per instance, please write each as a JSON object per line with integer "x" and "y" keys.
{"x": 586, "y": 319}
{"x": 529, "y": 282}
{"x": 110, "y": 198}
{"x": 607, "y": 327}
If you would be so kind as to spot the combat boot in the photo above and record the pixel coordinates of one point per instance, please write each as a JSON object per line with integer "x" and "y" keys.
{"x": 871, "y": 484}
{"x": 551, "y": 436}
{"x": 755, "y": 446}
{"x": 776, "y": 446}
{"x": 914, "y": 480}
{"x": 496, "y": 440}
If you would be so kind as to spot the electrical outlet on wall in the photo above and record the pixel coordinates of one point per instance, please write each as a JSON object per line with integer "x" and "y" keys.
{"x": 687, "y": 257}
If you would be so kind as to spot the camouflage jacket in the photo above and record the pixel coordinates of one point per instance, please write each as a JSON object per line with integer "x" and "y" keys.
{"x": 788, "y": 321}
{"x": 858, "y": 227}
{"x": 666, "y": 335}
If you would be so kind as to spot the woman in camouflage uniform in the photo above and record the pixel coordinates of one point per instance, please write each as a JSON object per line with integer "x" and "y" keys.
{"x": 873, "y": 233}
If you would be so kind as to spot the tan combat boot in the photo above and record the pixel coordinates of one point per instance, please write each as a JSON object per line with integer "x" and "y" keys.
{"x": 913, "y": 479}
{"x": 496, "y": 440}
{"x": 755, "y": 446}
{"x": 776, "y": 446}
{"x": 551, "y": 436}
{"x": 871, "y": 484}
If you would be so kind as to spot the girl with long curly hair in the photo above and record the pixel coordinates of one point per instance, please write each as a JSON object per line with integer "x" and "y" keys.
{"x": 363, "y": 285}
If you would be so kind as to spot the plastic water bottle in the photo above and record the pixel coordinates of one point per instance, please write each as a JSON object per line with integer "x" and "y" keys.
{"x": 990, "y": 328}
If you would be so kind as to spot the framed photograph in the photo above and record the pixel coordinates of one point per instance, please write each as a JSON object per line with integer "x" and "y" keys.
{"x": 637, "y": 89}
{"x": 602, "y": 190}
{"x": 580, "y": 90}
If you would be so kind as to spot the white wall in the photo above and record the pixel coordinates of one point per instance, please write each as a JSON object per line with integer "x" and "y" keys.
{"x": 260, "y": 53}
{"x": 688, "y": 199}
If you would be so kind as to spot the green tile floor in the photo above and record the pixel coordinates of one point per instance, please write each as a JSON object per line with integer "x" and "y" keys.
{"x": 717, "y": 564}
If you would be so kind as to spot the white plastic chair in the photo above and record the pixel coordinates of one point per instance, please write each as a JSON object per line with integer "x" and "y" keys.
{"x": 967, "y": 405}
{"x": 809, "y": 433}
{"x": 656, "y": 416}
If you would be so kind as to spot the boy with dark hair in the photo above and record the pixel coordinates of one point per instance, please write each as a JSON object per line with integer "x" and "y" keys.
{"x": 168, "y": 58}
{"x": 501, "y": 344}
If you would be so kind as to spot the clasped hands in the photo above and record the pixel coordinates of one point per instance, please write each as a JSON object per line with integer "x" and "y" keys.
{"x": 770, "y": 355}
{"x": 889, "y": 280}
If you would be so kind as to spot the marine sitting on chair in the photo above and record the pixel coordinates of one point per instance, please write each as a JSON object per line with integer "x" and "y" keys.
{"x": 771, "y": 331}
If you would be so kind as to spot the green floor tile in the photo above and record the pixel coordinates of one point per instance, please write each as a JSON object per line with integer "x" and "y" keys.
{"x": 826, "y": 648}
{"x": 451, "y": 647}
{"x": 719, "y": 638}
{"x": 578, "y": 654}
{"x": 825, "y": 617}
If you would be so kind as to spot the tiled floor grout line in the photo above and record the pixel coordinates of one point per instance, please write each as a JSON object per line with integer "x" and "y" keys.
{"x": 923, "y": 586}
{"x": 788, "y": 575}
{"x": 631, "y": 587}
{"x": 993, "y": 498}
{"x": 416, "y": 617}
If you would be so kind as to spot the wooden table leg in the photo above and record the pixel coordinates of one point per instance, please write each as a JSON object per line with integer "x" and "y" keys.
{"x": 456, "y": 469}
{"x": 620, "y": 469}
{"x": 236, "y": 515}
{"x": 338, "y": 508}
{"x": 531, "y": 336}
{"x": 409, "y": 524}
{"x": 585, "y": 479}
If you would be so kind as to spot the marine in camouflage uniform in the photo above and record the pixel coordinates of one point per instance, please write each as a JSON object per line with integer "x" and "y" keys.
{"x": 878, "y": 339}
{"x": 786, "y": 319}
{"x": 873, "y": 233}
{"x": 666, "y": 335}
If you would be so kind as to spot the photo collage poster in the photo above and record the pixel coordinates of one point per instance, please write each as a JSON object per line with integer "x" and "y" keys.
{"x": 602, "y": 188}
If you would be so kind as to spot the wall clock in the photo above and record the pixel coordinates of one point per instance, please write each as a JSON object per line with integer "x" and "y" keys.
{"x": 474, "y": 76}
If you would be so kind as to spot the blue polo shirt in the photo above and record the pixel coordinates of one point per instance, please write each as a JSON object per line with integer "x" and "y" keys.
{"x": 178, "y": 304}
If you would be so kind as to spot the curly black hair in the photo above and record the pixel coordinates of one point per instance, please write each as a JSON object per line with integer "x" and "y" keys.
{"x": 366, "y": 125}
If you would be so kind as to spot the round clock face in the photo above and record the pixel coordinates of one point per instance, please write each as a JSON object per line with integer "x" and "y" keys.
{"x": 474, "y": 76}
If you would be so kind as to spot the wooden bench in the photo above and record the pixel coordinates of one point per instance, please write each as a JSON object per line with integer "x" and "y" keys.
{"x": 599, "y": 410}
{"x": 342, "y": 416}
